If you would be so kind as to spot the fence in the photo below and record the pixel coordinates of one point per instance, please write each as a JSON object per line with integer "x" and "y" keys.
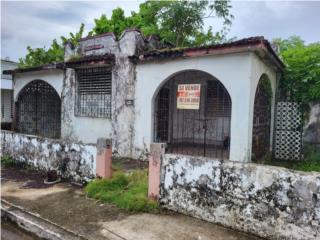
{"x": 267, "y": 201}
{"x": 75, "y": 161}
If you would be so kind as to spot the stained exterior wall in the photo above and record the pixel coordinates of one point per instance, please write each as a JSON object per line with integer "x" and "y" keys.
{"x": 71, "y": 160}
{"x": 239, "y": 73}
{"x": 267, "y": 201}
{"x": 312, "y": 127}
{"x": 120, "y": 126}
{"x": 134, "y": 88}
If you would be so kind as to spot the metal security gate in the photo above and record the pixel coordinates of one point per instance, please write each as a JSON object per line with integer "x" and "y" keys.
{"x": 261, "y": 120}
{"x": 38, "y": 110}
{"x": 201, "y": 132}
{"x": 288, "y": 131}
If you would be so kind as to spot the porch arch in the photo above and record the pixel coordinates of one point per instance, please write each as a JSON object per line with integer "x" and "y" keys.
{"x": 261, "y": 129}
{"x": 202, "y": 131}
{"x": 38, "y": 110}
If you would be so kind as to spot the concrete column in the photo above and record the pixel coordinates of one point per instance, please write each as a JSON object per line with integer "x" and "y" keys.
{"x": 104, "y": 158}
{"x": 157, "y": 151}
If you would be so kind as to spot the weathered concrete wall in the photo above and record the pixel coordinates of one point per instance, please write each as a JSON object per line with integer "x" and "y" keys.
{"x": 74, "y": 128}
{"x": 71, "y": 160}
{"x": 121, "y": 125}
{"x": 267, "y": 201}
{"x": 312, "y": 127}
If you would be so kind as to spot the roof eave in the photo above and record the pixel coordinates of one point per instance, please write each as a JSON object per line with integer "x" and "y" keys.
{"x": 259, "y": 48}
{"x": 53, "y": 66}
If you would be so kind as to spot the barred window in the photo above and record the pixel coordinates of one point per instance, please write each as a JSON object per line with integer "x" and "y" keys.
{"x": 93, "y": 98}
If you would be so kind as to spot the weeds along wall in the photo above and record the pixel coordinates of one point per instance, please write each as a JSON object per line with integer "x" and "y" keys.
{"x": 73, "y": 161}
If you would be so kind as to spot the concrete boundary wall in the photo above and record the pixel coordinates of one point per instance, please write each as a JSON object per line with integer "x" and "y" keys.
{"x": 74, "y": 161}
{"x": 267, "y": 201}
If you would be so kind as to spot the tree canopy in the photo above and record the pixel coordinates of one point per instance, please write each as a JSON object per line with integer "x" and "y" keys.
{"x": 178, "y": 22}
{"x": 301, "y": 78}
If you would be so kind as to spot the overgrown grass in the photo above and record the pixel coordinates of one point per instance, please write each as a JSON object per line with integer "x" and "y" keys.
{"x": 310, "y": 161}
{"x": 127, "y": 191}
{"x": 7, "y": 161}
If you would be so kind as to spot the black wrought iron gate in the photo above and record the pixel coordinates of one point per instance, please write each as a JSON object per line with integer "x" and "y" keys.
{"x": 38, "y": 110}
{"x": 261, "y": 120}
{"x": 202, "y": 132}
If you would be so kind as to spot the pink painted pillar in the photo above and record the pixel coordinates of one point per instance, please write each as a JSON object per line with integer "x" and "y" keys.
{"x": 157, "y": 151}
{"x": 104, "y": 158}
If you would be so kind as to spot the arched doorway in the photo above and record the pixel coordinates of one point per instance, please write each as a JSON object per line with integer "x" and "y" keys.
{"x": 261, "y": 119}
{"x": 38, "y": 110}
{"x": 192, "y": 114}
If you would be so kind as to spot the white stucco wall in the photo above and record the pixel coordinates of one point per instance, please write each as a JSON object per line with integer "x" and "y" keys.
{"x": 53, "y": 77}
{"x": 239, "y": 73}
{"x": 88, "y": 130}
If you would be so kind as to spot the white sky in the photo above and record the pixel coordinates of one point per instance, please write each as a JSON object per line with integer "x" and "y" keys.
{"x": 37, "y": 23}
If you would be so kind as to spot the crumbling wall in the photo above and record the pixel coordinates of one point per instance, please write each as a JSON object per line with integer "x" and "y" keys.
{"x": 68, "y": 105}
{"x": 121, "y": 125}
{"x": 268, "y": 201}
{"x": 73, "y": 161}
{"x": 312, "y": 127}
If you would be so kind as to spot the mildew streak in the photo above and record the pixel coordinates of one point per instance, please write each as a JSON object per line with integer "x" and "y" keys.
{"x": 267, "y": 201}
{"x": 74, "y": 161}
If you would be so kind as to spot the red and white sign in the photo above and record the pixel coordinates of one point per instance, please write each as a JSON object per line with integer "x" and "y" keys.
{"x": 188, "y": 96}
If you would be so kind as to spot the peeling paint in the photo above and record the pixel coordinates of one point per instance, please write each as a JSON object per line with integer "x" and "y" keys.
{"x": 72, "y": 161}
{"x": 267, "y": 201}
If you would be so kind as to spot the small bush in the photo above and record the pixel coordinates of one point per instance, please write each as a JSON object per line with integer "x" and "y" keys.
{"x": 127, "y": 191}
{"x": 7, "y": 161}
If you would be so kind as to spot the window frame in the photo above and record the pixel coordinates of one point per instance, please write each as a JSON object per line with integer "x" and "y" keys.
{"x": 107, "y": 105}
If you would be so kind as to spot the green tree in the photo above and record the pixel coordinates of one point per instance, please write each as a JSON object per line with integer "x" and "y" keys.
{"x": 301, "y": 78}
{"x": 55, "y": 53}
{"x": 178, "y": 22}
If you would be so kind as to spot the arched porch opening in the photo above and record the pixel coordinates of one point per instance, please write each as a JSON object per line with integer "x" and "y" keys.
{"x": 261, "y": 119}
{"x": 192, "y": 114}
{"x": 38, "y": 110}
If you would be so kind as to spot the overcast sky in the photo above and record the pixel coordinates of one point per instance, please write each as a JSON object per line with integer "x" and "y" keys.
{"x": 37, "y": 23}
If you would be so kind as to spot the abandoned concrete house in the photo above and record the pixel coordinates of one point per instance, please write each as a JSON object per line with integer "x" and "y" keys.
{"x": 215, "y": 101}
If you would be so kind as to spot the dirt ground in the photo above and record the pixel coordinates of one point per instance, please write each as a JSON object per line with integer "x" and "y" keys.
{"x": 68, "y": 206}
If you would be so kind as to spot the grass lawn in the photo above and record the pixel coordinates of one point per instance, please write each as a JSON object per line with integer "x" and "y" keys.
{"x": 127, "y": 190}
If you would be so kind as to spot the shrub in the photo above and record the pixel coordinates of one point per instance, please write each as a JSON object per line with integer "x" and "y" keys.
{"x": 7, "y": 161}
